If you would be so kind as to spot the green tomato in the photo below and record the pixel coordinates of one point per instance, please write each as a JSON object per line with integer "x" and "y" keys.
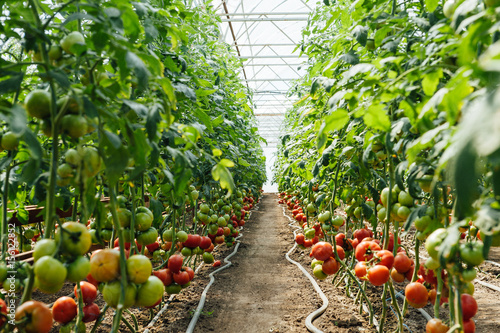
{"x": 404, "y": 212}
{"x": 124, "y": 216}
{"x": 50, "y": 271}
{"x": 405, "y": 199}
{"x": 173, "y": 288}
{"x": 469, "y": 274}
{"x": 309, "y": 233}
{"x": 316, "y": 262}
{"x": 44, "y": 247}
{"x": 143, "y": 221}
{"x": 204, "y": 208}
{"x": 338, "y": 221}
{"x": 150, "y": 292}
{"x": 472, "y": 253}
{"x": 111, "y": 294}
{"x": 38, "y": 103}
{"x": 147, "y": 237}
{"x": 182, "y": 236}
{"x": 318, "y": 272}
{"x": 76, "y": 239}
{"x": 434, "y": 241}
{"x": 186, "y": 252}
{"x": 221, "y": 222}
{"x": 168, "y": 235}
{"x": 9, "y": 141}
{"x": 325, "y": 216}
{"x": 3, "y": 272}
{"x": 208, "y": 258}
{"x": 78, "y": 269}
{"x": 70, "y": 40}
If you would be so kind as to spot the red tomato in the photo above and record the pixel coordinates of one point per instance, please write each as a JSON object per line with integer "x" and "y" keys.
{"x": 339, "y": 239}
{"x": 322, "y": 251}
{"x": 361, "y": 270}
{"x": 193, "y": 241}
{"x": 386, "y": 258}
{"x": 340, "y": 252}
{"x": 39, "y": 317}
{"x": 205, "y": 242}
{"x": 308, "y": 243}
{"x": 416, "y": 294}
{"x": 91, "y": 279}
{"x": 64, "y": 309}
{"x": 330, "y": 266}
{"x": 3, "y": 309}
{"x": 181, "y": 277}
{"x": 89, "y": 292}
{"x": 361, "y": 234}
{"x": 365, "y": 250}
{"x": 469, "y": 306}
{"x": 433, "y": 295}
{"x": 153, "y": 247}
{"x": 190, "y": 272}
{"x": 469, "y": 326}
{"x": 402, "y": 263}
{"x": 165, "y": 275}
{"x": 90, "y": 312}
{"x": 299, "y": 239}
{"x": 175, "y": 263}
{"x": 409, "y": 274}
{"x": 378, "y": 275}
{"x": 216, "y": 263}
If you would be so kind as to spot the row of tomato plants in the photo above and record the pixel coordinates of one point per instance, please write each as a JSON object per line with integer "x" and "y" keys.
{"x": 130, "y": 101}
{"x": 394, "y": 121}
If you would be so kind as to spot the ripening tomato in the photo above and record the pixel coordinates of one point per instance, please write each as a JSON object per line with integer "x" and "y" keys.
{"x": 361, "y": 234}
{"x": 322, "y": 251}
{"x": 175, "y": 263}
{"x": 416, "y": 294}
{"x": 165, "y": 275}
{"x": 378, "y": 275}
{"x": 396, "y": 276}
{"x": 105, "y": 265}
{"x": 39, "y": 317}
{"x": 90, "y": 312}
{"x": 139, "y": 268}
{"x": 205, "y": 243}
{"x": 89, "y": 292}
{"x": 365, "y": 250}
{"x": 436, "y": 326}
{"x": 190, "y": 272}
{"x": 64, "y": 309}
{"x": 192, "y": 241}
{"x": 339, "y": 239}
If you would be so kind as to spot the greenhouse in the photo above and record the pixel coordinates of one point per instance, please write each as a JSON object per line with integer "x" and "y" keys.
{"x": 249, "y": 166}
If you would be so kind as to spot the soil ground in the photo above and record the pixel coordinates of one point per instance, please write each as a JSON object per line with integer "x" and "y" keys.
{"x": 263, "y": 292}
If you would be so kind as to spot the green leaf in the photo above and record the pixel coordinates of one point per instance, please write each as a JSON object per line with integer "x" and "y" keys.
{"x": 361, "y": 34}
{"x": 216, "y": 152}
{"x": 227, "y": 163}
{"x": 430, "y": 82}
{"x": 350, "y": 57}
{"x": 205, "y": 92}
{"x": 12, "y": 84}
{"x": 221, "y": 174}
{"x": 243, "y": 162}
{"x": 140, "y": 70}
{"x": 334, "y": 121}
{"x": 113, "y": 139}
{"x": 376, "y": 118}
{"x": 465, "y": 176}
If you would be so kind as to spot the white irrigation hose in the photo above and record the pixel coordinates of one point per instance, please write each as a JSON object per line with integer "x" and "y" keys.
{"x": 492, "y": 262}
{"x": 322, "y": 309}
{"x": 201, "y": 304}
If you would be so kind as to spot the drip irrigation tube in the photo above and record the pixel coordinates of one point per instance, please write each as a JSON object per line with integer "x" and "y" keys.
{"x": 322, "y": 309}
{"x": 201, "y": 304}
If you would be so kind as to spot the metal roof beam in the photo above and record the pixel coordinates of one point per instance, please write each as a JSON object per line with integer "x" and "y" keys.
{"x": 269, "y": 44}
{"x": 267, "y": 19}
{"x": 271, "y": 57}
{"x": 270, "y": 79}
{"x": 265, "y": 14}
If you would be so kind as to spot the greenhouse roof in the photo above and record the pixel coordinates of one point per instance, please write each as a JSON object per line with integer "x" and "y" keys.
{"x": 264, "y": 34}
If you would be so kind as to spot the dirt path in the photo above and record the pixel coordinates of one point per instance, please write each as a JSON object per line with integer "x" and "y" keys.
{"x": 262, "y": 292}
